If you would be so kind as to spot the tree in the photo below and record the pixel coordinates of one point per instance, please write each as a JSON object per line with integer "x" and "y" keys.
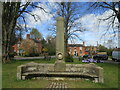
{"x": 51, "y": 40}
{"x": 109, "y": 52}
{"x": 115, "y": 7}
{"x": 105, "y": 49}
{"x": 35, "y": 34}
{"x": 102, "y": 48}
{"x": 51, "y": 45}
{"x": 15, "y": 38}
{"x": 71, "y": 13}
{"x": 29, "y": 47}
{"x": 12, "y": 11}
{"x": 43, "y": 42}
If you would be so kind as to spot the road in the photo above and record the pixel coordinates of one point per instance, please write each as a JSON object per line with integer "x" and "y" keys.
{"x": 110, "y": 61}
{"x": 41, "y": 57}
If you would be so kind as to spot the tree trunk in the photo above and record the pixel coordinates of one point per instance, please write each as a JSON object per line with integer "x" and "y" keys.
{"x": 9, "y": 18}
{"x": 5, "y": 46}
{"x": 66, "y": 46}
{"x": 6, "y": 40}
{"x": 1, "y": 31}
{"x": 118, "y": 16}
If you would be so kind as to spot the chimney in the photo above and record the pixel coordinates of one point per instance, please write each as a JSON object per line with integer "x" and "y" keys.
{"x": 28, "y": 36}
{"x": 97, "y": 44}
{"x": 83, "y": 43}
{"x": 19, "y": 39}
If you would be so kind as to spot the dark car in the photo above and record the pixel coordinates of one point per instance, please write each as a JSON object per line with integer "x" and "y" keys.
{"x": 100, "y": 57}
{"x": 86, "y": 56}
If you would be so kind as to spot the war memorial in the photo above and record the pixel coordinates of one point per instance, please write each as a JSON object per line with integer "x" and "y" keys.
{"x": 60, "y": 70}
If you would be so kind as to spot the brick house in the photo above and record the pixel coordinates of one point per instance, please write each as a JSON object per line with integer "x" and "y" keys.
{"x": 81, "y": 49}
{"x": 36, "y": 41}
{"x": 76, "y": 49}
{"x": 16, "y": 47}
{"x": 91, "y": 50}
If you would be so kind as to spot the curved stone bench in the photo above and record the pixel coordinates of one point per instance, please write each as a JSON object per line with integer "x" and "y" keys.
{"x": 72, "y": 70}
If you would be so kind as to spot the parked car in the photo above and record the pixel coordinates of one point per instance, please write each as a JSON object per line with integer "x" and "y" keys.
{"x": 100, "y": 57}
{"x": 116, "y": 55}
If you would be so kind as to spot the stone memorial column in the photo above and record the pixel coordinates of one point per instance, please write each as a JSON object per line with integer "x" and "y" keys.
{"x": 60, "y": 63}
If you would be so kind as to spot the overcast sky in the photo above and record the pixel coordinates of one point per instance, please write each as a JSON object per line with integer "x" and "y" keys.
{"x": 91, "y": 22}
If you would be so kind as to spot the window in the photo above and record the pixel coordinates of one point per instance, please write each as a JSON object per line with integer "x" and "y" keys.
{"x": 18, "y": 45}
{"x": 80, "y": 52}
{"x": 87, "y": 49}
{"x": 80, "y": 48}
{"x": 75, "y": 49}
{"x": 75, "y": 53}
{"x": 70, "y": 50}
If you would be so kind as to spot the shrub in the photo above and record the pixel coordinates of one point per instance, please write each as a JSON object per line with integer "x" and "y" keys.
{"x": 25, "y": 53}
{"x": 33, "y": 54}
{"x": 109, "y": 52}
{"x": 69, "y": 58}
{"x": 11, "y": 55}
{"x": 80, "y": 58}
{"x": 51, "y": 53}
{"x": 30, "y": 47}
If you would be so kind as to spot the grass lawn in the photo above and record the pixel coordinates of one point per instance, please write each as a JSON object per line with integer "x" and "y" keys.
{"x": 9, "y": 77}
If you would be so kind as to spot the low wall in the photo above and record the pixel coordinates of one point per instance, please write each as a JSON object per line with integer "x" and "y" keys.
{"x": 91, "y": 70}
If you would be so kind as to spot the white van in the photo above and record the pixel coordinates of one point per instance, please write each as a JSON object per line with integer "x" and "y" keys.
{"x": 116, "y": 55}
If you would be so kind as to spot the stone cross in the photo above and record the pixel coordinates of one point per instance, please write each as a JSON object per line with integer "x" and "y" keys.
{"x": 60, "y": 63}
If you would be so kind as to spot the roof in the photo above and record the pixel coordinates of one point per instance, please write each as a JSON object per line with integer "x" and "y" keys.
{"x": 75, "y": 45}
{"x": 19, "y": 42}
{"x": 90, "y": 46}
{"x": 117, "y": 49}
{"x": 36, "y": 41}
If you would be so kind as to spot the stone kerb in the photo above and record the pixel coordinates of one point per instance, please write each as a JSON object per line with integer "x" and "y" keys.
{"x": 19, "y": 72}
{"x": 100, "y": 74}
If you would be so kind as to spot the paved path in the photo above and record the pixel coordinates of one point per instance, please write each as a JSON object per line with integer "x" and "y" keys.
{"x": 57, "y": 85}
{"x": 23, "y": 58}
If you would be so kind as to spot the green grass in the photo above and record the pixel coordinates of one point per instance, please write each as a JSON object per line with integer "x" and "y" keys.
{"x": 9, "y": 76}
